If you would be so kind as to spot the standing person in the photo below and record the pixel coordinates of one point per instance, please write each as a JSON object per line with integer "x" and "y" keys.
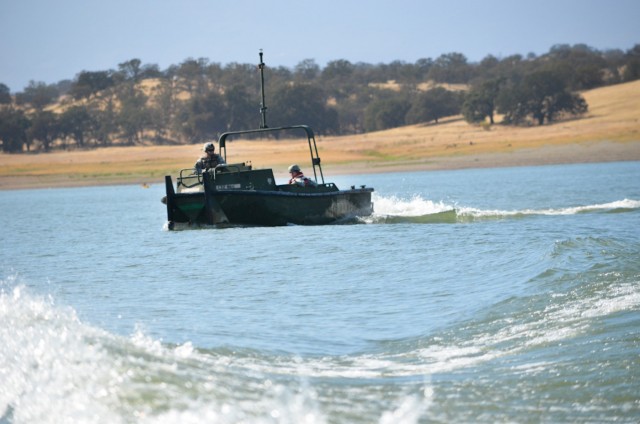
{"x": 209, "y": 160}
{"x": 298, "y": 178}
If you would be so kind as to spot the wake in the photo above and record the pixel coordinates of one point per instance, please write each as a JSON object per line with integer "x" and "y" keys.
{"x": 416, "y": 210}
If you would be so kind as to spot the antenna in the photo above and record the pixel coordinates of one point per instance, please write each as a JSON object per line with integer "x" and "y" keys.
{"x": 263, "y": 106}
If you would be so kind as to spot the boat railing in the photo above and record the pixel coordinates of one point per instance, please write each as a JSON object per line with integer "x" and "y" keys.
{"x": 311, "y": 140}
{"x": 188, "y": 179}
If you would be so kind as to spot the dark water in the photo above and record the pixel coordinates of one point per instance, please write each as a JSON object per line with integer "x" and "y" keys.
{"x": 501, "y": 295}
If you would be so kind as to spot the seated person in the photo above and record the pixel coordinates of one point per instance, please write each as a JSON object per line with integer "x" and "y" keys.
{"x": 298, "y": 178}
{"x": 209, "y": 160}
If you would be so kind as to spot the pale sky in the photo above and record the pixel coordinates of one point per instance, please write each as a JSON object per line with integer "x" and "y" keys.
{"x": 52, "y": 40}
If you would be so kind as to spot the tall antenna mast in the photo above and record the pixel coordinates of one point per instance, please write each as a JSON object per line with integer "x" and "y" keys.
{"x": 263, "y": 106}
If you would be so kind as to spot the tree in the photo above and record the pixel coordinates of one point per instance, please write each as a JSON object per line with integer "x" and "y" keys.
{"x": 477, "y": 107}
{"x": 510, "y": 68}
{"x": 402, "y": 72}
{"x": 338, "y": 70}
{"x": 133, "y": 116}
{"x": 337, "y": 78}
{"x": 580, "y": 66}
{"x": 89, "y": 83}
{"x": 542, "y": 95}
{"x": 241, "y": 111}
{"x": 307, "y": 70}
{"x": 105, "y": 118}
{"x": 488, "y": 65}
{"x": 480, "y": 101}
{"x": 451, "y": 68}
{"x": 203, "y": 117}
{"x": 162, "y": 109}
{"x": 63, "y": 86}
{"x": 13, "y": 129}
{"x": 150, "y": 70}
{"x": 38, "y": 95}
{"x": 45, "y": 128}
{"x": 192, "y": 74}
{"x": 303, "y": 104}
{"x": 587, "y": 76}
{"x": 433, "y": 105}
{"x": 5, "y": 95}
{"x": 386, "y": 113}
{"x": 277, "y": 77}
{"x": 632, "y": 68}
{"x": 351, "y": 110}
{"x": 423, "y": 66}
{"x": 131, "y": 70}
{"x": 241, "y": 74}
{"x": 76, "y": 122}
{"x": 214, "y": 72}
{"x": 564, "y": 102}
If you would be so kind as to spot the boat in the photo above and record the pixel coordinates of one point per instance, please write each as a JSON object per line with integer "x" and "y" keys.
{"x": 238, "y": 194}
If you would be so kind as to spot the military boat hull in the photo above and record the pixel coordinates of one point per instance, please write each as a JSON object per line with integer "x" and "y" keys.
{"x": 282, "y": 205}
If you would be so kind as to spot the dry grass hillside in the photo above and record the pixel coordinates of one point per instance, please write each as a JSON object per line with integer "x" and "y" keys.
{"x": 609, "y": 132}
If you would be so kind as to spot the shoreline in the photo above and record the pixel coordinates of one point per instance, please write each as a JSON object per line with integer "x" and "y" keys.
{"x": 572, "y": 153}
{"x": 566, "y": 153}
{"x": 609, "y": 132}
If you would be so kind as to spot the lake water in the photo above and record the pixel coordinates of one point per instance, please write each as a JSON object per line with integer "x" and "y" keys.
{"x": 494, "y": 295}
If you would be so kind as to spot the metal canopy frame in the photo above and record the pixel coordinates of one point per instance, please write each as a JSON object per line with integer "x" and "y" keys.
{"x": 311, "y": 140}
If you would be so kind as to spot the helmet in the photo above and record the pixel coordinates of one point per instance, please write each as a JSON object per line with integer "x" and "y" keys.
{"x": 208, "y": 146}
{"x": 294, "y": 168}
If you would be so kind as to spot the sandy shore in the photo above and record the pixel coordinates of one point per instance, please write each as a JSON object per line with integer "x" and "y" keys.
{"x": 588, "y": 152}
{"x": 609, "y": 132}
{"x": 584, "y": 152}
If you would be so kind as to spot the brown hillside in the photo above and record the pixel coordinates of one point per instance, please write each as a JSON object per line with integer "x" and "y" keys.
{"x": 609, "y": 132}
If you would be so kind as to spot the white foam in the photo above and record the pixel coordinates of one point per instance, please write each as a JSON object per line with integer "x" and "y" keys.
{"x": 410, "y": 410}
{"x": 415, "y": 206}
{"x": 621, "y": 204}
{"x": 50, "y": 369}
{"x": 53, "y": 369}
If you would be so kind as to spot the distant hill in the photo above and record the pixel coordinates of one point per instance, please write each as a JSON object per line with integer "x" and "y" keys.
{"x": 609, "y": 132}
{"x": 139, "y": 104}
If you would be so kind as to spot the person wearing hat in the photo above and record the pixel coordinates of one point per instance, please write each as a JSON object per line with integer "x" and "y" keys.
{"x": 209, "y": 160}
{"x": 298, "y": 178}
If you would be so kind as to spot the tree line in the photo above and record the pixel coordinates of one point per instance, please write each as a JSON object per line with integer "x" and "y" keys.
{"x": 197, "y": 100}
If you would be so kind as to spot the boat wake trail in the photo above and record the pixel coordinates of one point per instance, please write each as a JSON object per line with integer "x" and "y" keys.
{"x": 59, "y": 369}
{"x": 394, "y": 210}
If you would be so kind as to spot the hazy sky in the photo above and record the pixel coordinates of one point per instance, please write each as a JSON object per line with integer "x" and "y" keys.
{"x": 52, "y": 40}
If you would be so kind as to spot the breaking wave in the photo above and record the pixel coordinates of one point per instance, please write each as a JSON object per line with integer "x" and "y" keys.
{"x": 54, "y": 368}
